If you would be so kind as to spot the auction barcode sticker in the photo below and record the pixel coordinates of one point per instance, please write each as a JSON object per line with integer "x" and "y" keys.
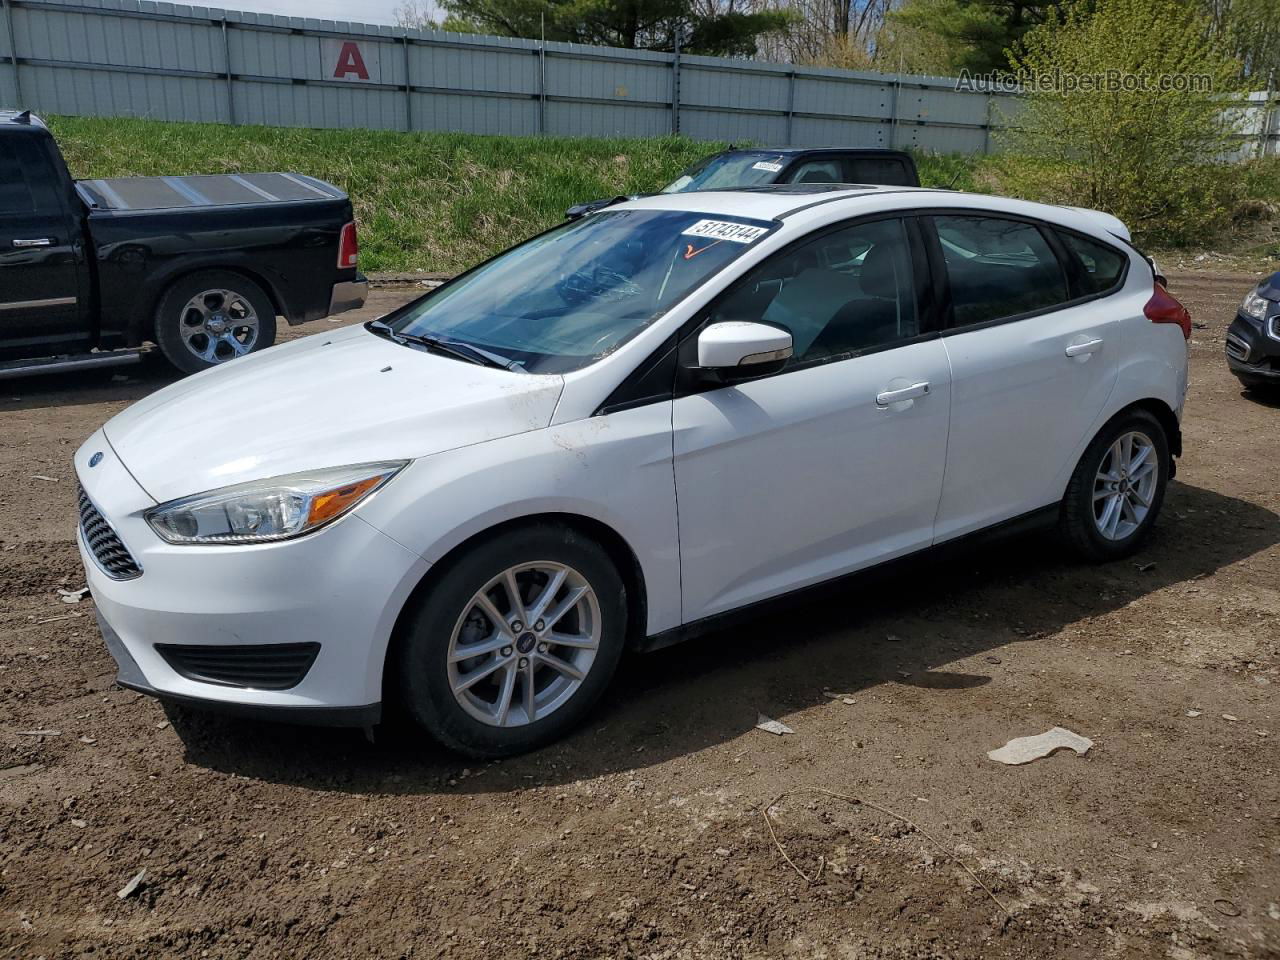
{"x": 724, "y": 230}
{"x": 767, "y": 165}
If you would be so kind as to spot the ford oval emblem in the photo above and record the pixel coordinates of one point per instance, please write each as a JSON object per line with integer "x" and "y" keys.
{"x": 95, "y": 459}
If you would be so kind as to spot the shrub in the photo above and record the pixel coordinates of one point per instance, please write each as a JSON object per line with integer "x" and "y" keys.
{"x": 1156, "y": 156}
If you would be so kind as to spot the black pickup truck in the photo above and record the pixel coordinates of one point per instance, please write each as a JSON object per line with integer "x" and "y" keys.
{"x": 738, "y": 168}
{"x": 202, "y": 266}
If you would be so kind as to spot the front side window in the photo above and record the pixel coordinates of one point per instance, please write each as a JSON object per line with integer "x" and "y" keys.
{"x": 998, "y": 268}
{"x": 844, "y": 292}
{"x": 574, "y": 294}
{"x": 1100, "y": 267}
{"x": 728, "y": 171}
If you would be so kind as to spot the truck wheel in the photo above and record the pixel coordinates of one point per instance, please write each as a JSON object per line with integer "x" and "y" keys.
{"x": 211, "y": 317}
{"x": 514, "y": 643}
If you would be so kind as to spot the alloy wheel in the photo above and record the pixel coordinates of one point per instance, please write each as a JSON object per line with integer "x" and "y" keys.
{"x": 524, "y": 644}
{"x": 219, "y": 325}
{"x": 1125, "y": 485}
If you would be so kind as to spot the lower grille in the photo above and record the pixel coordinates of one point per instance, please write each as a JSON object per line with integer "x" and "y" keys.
{"x": 267, "y": 666}
{"x": 112, "y": 555}
{"x": 1237, "y": 348}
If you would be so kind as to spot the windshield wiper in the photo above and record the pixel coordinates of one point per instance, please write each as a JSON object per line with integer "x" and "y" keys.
{"x": 453, "y": 348}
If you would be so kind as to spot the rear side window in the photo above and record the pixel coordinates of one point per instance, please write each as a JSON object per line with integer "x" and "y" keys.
{"x": 15, "y": 194}
{"x": 892, "y": 173}
{"x": 998, "y": 268}
{"x": 1099, "y": 266}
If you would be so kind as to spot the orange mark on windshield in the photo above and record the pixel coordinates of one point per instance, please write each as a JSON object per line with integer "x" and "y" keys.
{"x": 690, "y": 253}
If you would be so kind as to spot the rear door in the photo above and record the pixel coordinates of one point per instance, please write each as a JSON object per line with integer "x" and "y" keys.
{"x": 1033, "y": 357}
{"x": 40, "y": 275}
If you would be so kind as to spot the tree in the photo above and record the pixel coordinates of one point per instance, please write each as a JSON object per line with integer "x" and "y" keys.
{"x": 1137, "y": 120}
{"x": 973, "y": 35}
{"x": 712, "y": 27}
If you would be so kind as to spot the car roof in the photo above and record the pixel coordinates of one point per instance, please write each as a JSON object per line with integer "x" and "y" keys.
{"x": 827, "y": 202}
{"x": 795, "y": 151}
{"x": 766, "y": 202}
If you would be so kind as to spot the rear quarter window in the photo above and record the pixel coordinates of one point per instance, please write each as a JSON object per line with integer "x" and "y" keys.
{"x": 1099, "y": 268}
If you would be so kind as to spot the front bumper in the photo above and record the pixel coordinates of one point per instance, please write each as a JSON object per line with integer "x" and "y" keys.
{"x": 341, "y": 587}
{"x": 1253, "y": 353}
{"x": 348, "y": 295}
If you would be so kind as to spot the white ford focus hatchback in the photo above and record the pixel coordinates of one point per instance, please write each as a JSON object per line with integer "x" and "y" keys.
{"x": 620, "y": 432}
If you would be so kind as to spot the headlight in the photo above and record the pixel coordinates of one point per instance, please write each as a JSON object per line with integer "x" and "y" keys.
{"x": 266, "y": 510}
{"x": 1255, "y": 305}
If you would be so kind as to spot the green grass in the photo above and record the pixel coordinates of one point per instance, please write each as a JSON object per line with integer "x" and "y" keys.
{"x": 443, "y": 201}
{"x": 424, "y": 201}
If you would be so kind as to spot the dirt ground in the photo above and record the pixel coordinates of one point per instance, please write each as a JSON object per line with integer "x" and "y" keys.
{"x": 643, "y": 835}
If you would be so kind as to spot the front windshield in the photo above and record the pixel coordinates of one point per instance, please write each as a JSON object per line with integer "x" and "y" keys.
{"x": 570, "y": 296}
{"x": 728, "y": 171}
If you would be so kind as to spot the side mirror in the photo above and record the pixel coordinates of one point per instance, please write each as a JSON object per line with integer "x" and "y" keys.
{"x": 736, "y": 349}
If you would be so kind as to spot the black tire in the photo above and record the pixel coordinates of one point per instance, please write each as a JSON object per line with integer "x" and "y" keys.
{"x": 1078, "y": 522}
{"x": 421, "y": 661}
{"x": 172, "y": 317}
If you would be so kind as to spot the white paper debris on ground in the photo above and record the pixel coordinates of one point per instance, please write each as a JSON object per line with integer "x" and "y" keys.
{"x": 132, "y": 886}
{"x": 1025, "y": 749}
{"x": 772, "y": 726}
{"x": 73, "y": 596}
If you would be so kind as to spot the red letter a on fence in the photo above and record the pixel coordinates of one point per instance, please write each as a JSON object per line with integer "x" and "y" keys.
{"x": 350, "y": 61}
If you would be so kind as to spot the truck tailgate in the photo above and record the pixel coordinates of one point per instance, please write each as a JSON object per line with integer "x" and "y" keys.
{"x": 214, "y": 190}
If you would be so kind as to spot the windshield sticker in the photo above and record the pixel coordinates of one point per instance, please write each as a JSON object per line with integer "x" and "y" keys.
{"x": 723, "y": 230}
{"x": 767, "y": 165}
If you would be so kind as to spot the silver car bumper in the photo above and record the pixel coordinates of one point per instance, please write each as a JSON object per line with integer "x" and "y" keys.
{"x": 348, "y": 295}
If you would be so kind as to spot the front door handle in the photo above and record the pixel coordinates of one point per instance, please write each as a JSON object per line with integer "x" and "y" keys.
{"x": 920, "y": 389}
{"x": 1084, "y": 349}
{"x": 35, "y": 242}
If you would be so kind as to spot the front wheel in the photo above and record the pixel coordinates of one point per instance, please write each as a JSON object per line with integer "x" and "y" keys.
{"x": 1118, "y": 487}
{"x": 210, "y": 317}
{"x": 515, "y": 642}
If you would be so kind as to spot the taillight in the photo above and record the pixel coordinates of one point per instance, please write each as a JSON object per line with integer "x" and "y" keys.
{"x": 348, "y": 247}
{"x": 1163, "y": 307}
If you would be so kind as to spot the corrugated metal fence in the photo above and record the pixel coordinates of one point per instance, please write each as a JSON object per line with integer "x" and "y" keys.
{"x": 172, "y": 62}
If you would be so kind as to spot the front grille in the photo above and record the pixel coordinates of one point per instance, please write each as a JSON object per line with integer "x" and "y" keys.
{"x": 1237, "y": 348}
{"x": 112, "y": 555}
{"x": 266, "y": 666}
{"x": 1275, "y": 327}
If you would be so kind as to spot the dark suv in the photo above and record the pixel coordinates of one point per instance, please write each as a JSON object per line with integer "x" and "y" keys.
{"x": 1253, "y": 339}
{"x": 734, "y": 169}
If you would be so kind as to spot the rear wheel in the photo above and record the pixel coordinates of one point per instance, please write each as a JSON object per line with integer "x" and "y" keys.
{"x": 1118, "y": 487}
{"x": 210, "y": 317}
{"x": 515, "y": 642}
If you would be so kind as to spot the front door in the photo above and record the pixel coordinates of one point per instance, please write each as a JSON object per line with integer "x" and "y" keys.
{"x": 836, "y": 461}
{"x": 40, "y": 308}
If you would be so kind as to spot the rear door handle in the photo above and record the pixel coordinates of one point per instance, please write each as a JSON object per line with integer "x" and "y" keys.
{"x": 35, "y": 242}
{"x": 920, "y": 389}
{"x": 1082, "y": 349}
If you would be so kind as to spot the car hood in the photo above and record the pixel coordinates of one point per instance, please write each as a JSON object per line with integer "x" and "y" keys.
{"x": 326, "y": 400}
{"x": 1270, "y": 287}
